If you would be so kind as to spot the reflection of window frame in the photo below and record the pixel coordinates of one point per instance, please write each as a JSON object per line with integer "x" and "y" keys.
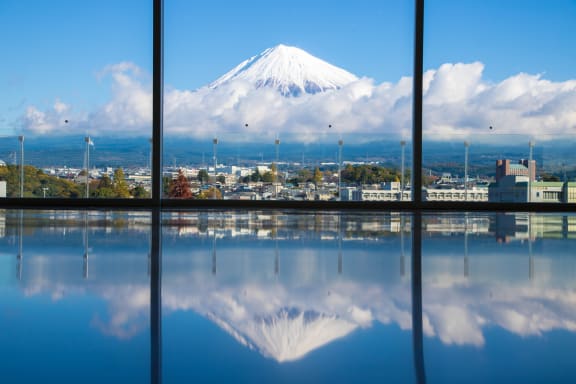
{"x": 156, "y": 201}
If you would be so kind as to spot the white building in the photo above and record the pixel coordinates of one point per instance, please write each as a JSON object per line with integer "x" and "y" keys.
{"x": 455, "y": 194}
{"x": 517, "y": 189}
{"x": 385, "y": 192}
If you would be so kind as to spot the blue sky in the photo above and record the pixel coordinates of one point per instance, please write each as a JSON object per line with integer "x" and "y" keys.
{"x": 59, "y": 50}
{"x": 509, "y": 36}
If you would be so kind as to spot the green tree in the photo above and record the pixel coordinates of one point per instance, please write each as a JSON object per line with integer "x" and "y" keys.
{"x": 166, "y": 181}
{"x": 221, "y": 179}
{"x": 211, "y": 193}
{"x": 121, "y": 189}
{"x": 37, "y": 183}
{"x": 317, "y": 176}
{"x": 139, "y": 192}
{"x": 203, "y": 176}
{"x": 256, "y": 176}
{"x": 179, "y": 187}
{"x": 368, "y": 174}
{"x": 274, "y": 171}
{"x": 104, "y": 188}
{"x": 304, "y": 175}
{"x": 268, "y": 177}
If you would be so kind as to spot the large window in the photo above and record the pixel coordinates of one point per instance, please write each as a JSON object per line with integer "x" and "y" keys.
{"x": 498, "y": 100}
{"x": 294, "y": 101}
{"x": 75, "y": 106}
{"x": 300, "y": 102}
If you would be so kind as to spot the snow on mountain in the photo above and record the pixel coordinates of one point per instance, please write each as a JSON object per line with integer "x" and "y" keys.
{"x": 289, "y": 334}
{"x": 290, "y": 70}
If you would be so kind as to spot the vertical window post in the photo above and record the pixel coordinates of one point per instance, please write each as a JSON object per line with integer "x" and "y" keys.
{"x": 156, "y": 228}
{"x": 157, "y": 100}
{"x": 417, "y": 104}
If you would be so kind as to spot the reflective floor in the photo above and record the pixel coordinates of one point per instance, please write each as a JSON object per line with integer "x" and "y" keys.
{"x": 283, "y": 297}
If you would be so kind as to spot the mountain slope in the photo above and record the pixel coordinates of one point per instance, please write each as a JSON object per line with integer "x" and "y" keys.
{"x": 290, "y": 70}
{"x": 288, "y": 334}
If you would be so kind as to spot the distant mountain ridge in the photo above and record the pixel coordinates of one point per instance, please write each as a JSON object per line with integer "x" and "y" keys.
{"x": 290, "y": 70}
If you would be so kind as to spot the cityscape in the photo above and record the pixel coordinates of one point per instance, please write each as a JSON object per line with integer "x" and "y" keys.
{"x": 377, "y": 171}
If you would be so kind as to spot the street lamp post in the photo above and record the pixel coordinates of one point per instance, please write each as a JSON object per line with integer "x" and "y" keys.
{"x": 214, "y": 145}
{"x": 340, "y": 144}
{"x": 21, "y": 140}
{"x": 87, "y": 141}
{"x": 277, "y": 147}
{"x": 402, "y": 169}
{"x": 530, "y": 170}
{"x": 466, "y": 146}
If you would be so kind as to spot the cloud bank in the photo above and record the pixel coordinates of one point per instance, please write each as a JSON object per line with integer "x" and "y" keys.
{"x": 285, "y": 324}
{"x": 458, "y": 102}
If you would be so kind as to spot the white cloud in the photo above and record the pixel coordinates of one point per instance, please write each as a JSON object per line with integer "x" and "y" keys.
{"x": 287, "y": 319}
{"x": 458, "y": 101}
{"x": 454, "y": 83}
{"x": 455, "y": 324}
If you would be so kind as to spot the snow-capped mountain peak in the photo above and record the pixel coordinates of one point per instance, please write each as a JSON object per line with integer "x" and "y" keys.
{"x": 288, "y": 334}
{"x": 290, "y": 70}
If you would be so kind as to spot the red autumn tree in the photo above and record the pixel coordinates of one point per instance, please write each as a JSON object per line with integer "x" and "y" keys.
{"x": 179, "y": 187}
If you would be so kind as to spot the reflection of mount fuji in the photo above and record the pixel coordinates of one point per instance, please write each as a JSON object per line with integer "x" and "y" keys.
{"x": 289, "y": 333}
{"x": 287, "y": 298}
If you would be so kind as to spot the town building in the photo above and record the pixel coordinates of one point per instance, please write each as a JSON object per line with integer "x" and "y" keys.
{"x": 390, "y": 191}
{"x": 522, "y": 168}
{"x": 455, "y": 194}
{"x": 516, "y": 183}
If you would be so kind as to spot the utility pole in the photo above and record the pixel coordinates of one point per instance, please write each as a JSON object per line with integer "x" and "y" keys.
{"x": 340, "y": 144}
{"x": 402, "y": 170}
{"x": 214, "y": 145}
{"x": 277, "y": 147}
{"x": 466, "y": 146}
{"x": 21, "y": 140}
{"x": 530, "y": 170}
{"x": 87, "y": 141}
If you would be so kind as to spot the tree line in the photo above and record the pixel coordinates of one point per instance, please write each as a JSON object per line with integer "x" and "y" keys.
{"x": 39, "y": 184}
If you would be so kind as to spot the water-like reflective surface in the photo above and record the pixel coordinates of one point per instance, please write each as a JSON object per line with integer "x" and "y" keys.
{"x": 74, "y": 298}
{"x": 260, "y": 297}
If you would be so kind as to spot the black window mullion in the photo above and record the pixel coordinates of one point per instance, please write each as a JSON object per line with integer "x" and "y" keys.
{"x": 157, "y": 100}
{"x": 417, "y": 103}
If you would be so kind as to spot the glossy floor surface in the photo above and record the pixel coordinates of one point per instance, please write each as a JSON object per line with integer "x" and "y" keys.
{"x": 284, "y": 296}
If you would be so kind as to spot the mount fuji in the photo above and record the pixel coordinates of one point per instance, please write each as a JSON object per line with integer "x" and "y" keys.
{"x": 287, "y": 334}
{"x": 290, "y": 70}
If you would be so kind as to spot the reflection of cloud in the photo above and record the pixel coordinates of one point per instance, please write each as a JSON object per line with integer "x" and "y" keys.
{"x": 129, "y": 308}
{"x": 128, "y": 305}
{"x": 286, "y": 324}
{"x": 457, "y": 100}
{"x": 457, "y": 313}
{"x": 454, "y": 324}
{"x": 309, "y": 305}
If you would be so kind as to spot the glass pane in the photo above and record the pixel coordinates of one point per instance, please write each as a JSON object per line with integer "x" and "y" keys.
{"x": 499, "y": 90}
{"x": 279, "y": 297}
{"x": 294, "y": 101}
{"x": 74, "y": 297}
{"x": 498, "y": 297}
{"x": 75, "y": 106}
